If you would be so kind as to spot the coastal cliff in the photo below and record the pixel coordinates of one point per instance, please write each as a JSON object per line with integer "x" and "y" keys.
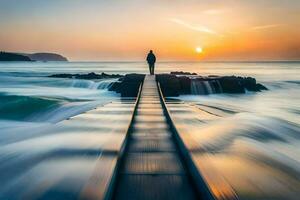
{"x": 46, "y": 57}
{"x": 4, "y": 56}
{"x": 7, "y": 56}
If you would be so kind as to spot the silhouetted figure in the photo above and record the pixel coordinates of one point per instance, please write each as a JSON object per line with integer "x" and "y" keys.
{"x": 151, "y": 59}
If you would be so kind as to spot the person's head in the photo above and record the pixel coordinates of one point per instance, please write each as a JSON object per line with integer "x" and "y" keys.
{"x": 151, "y": 51}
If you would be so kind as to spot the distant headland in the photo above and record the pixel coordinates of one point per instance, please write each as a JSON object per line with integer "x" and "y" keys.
{"x": 44, "y": 57}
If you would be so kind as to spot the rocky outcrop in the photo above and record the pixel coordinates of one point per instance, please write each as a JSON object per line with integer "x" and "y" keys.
{"x": 89, "y": 76}
{"x": 173, "y": 85}
{"x": 182, "y": 73}
{"x": 128, "y": 86}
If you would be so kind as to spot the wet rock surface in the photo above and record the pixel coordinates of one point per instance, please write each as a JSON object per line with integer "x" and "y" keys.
{"x": 88, "y": 76}
{"x": 128, "y": 86}
{"x": 182, "y": 73}
{"x": 176, "y": 83}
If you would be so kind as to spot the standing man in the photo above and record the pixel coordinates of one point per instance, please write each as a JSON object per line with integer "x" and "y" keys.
{"x": 151, "y": 59}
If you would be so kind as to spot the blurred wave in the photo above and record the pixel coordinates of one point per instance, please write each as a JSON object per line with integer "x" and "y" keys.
{"x": 49, "y": 99}
{"x": 23, "y": 107}
{"x": 251, "y": 140}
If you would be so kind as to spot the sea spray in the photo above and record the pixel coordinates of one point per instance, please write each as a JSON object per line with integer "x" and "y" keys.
{"x": 93, "y": 85}
{"x": 199, "y": 87}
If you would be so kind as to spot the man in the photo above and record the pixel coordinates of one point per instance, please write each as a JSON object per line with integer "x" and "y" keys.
{"x": 151, "y": 59}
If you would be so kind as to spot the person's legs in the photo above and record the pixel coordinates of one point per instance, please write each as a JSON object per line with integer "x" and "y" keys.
{"x": 150, "y": 68}
{"x": 153, "y": 66}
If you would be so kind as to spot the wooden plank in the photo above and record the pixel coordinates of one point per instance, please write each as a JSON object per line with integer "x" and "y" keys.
{"x": 151, "y": 167}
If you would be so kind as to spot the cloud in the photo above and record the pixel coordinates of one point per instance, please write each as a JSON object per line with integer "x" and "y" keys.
{"x": 213, "y": 12}
{"x": 268, "y": 26}
{"x": 198, "y": 28}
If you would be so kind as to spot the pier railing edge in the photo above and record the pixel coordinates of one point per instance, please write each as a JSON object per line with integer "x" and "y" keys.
{"x": 195, "y": 175}
{"x": 111, "y": 188}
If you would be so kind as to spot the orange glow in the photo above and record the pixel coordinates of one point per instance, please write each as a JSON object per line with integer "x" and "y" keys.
{"x": 99, "y": 31}
{"x": 199, "y": 50}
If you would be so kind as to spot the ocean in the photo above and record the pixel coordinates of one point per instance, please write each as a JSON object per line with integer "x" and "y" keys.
{"x": 263, "y": 127}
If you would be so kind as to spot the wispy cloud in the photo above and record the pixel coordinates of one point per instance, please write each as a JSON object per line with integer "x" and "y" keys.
{"x": 268, "y": 26}
{"x": 198, "y": 28}
{"x": 213, "y": 12}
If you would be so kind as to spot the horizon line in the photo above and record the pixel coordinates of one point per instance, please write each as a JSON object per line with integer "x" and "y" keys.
{"x": 185, "y": 61}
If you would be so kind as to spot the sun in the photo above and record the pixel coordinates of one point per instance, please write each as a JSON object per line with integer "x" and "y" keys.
{"x": 199, "y": 50}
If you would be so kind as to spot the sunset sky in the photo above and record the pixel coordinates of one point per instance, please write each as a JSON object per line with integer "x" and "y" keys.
{"x": 174, "y": 29}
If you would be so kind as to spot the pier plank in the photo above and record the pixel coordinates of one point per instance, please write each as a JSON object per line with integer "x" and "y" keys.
{"x": 152, "y": 167}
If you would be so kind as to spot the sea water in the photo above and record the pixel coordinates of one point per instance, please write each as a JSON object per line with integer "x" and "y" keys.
{"x": 263, "y": 126}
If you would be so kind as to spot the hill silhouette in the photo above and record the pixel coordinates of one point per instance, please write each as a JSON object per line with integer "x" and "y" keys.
{"x": 4, "y": 56}
{"x": 9, "y": 56}
{"x": 46, "y": 57}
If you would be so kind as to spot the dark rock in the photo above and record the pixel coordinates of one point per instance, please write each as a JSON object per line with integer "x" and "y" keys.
{"x": 231, "y": 84}
{"x": 182, "y": 73}
{"x": 213, "y": 76}
{"x": 170, "y": 84}
{"x": 185, "y": 85}
{"x": 88, "y": 76}
{"x": 4, "y": 56}
{"x": 173, "y": 85}
{"x": 250, "y": 84}
{"x": 62, "y": 76}
{"x": 128, "y": 86}
{"x": 116, "y": 87}
{"x": 260, "y": 87}
{"x": 216, "y": 85}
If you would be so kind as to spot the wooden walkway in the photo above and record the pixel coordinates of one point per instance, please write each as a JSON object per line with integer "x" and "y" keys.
{"x": 151, "y": 167}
